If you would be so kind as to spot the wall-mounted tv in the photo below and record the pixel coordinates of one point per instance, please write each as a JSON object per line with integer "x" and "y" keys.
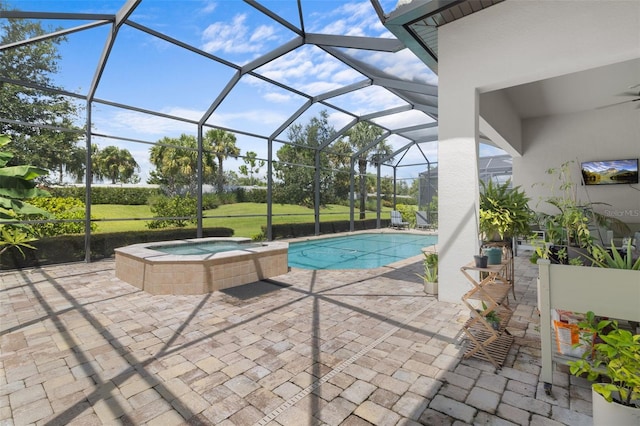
{"x": 610, "y": 172}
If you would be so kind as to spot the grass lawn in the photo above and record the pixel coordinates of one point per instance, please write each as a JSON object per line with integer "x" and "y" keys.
{"x": 245, "y": 219}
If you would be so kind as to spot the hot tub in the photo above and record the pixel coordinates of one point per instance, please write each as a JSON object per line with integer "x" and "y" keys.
{"x": 149, "y": 267}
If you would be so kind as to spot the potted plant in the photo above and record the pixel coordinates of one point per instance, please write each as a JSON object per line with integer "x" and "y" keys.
{"x": 430, "y": 276}
{"x": 504, "y": 212}
{"x": 616, "y": 355}
{"x": 481, "y": 260}
{"x": 491, "y": 317}
{"x": 613, "y": 259}
{"x": 568, "y": 229}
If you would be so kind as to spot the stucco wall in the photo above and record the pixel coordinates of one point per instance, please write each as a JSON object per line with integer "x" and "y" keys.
{"x": 512, "y": 43}
{"x": 606, "y": 134}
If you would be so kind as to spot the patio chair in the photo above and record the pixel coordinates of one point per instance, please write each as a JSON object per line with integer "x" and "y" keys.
{"x": 396, "y": 220}
{"x": 421, "y": 220}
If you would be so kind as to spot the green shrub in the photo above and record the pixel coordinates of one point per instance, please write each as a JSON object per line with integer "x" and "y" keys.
{"x": 179, "y": 211}
{"x": 408, "y": 213}
{"x": 241, "y": 195}
{"x": 210, "y": 201}
{"x": 409, "y": 201}
{"x": 62, "y": 208}
{"x": 261, "y": 236}
{"x": 256, "y": 196}
{"x": 108, "y": 195}
{"x": 227, "y": 198}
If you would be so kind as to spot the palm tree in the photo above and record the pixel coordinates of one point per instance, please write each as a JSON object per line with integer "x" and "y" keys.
{"x": 176, "y": 163}
{"x": 361, "y": 137}
{"x": 116, "y": 164}
{"x": 223, "y": 145}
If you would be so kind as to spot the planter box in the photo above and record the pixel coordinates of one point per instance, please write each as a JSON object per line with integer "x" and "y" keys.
{"x": 614, "y": 293}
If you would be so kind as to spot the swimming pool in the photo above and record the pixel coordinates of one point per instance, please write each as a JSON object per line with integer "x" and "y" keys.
{"x": 358, "y": 251}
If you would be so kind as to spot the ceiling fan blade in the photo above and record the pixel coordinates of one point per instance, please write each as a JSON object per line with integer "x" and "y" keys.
{"x": 618, "y": 103}
{"x": 629, "y": 93}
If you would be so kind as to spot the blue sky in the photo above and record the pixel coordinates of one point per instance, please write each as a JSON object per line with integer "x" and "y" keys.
{"x": 150, "y": 73}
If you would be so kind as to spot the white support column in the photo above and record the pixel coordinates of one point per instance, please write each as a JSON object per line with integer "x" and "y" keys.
{"x": 457, "y": 185}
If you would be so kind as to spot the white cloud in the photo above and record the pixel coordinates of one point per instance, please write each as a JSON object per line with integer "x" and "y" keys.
{"x": 352, "y": 18}
{"x": 320, "y": 87}
{"x": 278, "y": 98}
{"x": 404, "y": 64}
{"x": 338, "y": 120}
{"x": 336, "y": 27}
{"x": 148, "y": 125}
{"x": 310, "y": 70}
{"x": 209, "y": 7}
{"x": 369, "y": 99}
{"x": 347, "y": 76}
{"x": 251, "y": 120}
{"x": 150, "y": 128}
{"x": 263, "y": 32}
{"x": 236, "y": 36}
{"x": 403, "y": 119}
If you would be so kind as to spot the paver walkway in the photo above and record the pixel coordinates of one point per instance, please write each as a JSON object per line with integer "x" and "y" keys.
{"x": 79, "y": 346}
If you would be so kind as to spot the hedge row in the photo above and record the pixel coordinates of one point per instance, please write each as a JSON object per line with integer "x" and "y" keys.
{"x": 70, "y": 248}
{"x": 108, "y": 195}
{"x": 294, "y": 230}
{"x": 140, "y": 196}
{"x": 255, "y": 195}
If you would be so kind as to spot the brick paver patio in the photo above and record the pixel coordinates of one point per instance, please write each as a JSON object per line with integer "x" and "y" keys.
{"x": 79, "y": 346}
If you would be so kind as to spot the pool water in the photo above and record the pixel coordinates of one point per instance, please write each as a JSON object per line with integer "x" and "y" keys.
{"x": 361, "y": 251}
{"x": 209, "y": 247}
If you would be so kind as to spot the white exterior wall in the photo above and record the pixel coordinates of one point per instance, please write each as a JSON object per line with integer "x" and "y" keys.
{"x": 511, "y": 43}
{"x": 606, "y": 134}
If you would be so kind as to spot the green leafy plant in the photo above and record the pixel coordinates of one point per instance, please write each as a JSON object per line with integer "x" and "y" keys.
{"x": 17, "y": 184}
{"x": 408, "y": 214}
{"x": 570, "y": 224}
{"x": 430, "y": 263}
{"x": 65, "y": 209}
{"x": 15, "y": 237}
{"x": 617, "y": 356}
{"x": 492, "y": 317}
{"x": 613, "y": 259}
{"x": 504, "y": 211}
{"x": 179, "y": 211}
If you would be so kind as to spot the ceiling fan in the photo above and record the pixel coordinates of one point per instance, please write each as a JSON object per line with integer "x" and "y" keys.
{"x": 633, "y": 91}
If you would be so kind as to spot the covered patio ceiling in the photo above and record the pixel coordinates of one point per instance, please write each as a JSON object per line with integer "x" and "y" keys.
{"x": 416, "y": 23}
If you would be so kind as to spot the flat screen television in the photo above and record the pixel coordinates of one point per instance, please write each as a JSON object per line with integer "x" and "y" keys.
{"x": 610, "y": 172}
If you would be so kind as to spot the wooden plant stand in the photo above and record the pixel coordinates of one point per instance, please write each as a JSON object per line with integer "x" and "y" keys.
{"x": 489, "y": 294}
